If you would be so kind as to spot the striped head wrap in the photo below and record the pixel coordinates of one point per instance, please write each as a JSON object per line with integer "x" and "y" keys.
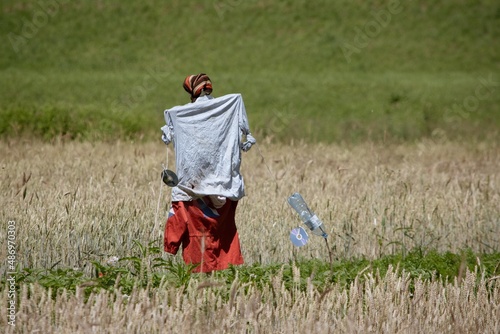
{"x": 195, "y": 84}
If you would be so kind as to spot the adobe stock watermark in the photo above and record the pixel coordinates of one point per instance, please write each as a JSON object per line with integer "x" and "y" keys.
{"x": 371, "y": 29}
{"x": 45, "y": 10}
{"x": 152, "y": 79}
{"x": 11, "y": 273}
{"x": 223, "y": 6}
{"x": 280, "y": 122}
{"x": 459, "y": 111}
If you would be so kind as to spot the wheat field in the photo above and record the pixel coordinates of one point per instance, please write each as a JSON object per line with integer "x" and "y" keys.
{"x": 75, "y": 202}
{"x": 380, "y": 305}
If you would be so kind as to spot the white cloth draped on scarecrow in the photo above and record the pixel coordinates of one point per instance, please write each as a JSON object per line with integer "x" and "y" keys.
{"x": 207, "y": 136}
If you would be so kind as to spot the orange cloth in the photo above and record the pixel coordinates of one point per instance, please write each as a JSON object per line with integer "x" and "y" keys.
{"x": 208, "y": 236}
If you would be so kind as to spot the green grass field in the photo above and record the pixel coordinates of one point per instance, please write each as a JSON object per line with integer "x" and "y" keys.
{"x": 319, "y": 71}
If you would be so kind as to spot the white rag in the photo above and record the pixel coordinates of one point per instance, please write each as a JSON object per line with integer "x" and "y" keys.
{"x": 207, "y": 142}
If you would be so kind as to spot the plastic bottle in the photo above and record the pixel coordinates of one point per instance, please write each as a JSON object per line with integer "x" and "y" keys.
{"x": 308, "y": 217}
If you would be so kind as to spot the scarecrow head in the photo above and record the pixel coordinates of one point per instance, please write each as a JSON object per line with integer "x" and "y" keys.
{"x": 197, "y": 85}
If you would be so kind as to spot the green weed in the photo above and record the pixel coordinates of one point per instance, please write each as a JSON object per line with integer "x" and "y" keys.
{"x": 134, "y": 272}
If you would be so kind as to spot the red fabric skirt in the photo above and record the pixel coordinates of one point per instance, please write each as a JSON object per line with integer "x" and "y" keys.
{"x": 208, "y": 236}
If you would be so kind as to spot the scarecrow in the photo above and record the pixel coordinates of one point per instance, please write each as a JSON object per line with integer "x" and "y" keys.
{"x": 208, "y": 136}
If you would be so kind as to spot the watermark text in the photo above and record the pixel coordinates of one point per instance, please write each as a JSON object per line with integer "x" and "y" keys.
{"x": 11, "y": 273}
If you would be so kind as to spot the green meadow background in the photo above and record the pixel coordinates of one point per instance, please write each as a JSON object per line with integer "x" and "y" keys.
{"x": 330, "y": 71}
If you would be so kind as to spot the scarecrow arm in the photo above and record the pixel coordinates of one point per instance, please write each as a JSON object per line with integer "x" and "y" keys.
{"x": 166, "y": 134}
{"x": 248, "y": 144}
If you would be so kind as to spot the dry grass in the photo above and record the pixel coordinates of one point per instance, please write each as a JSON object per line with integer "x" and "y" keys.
{"x": 379, "y": 305}
{"x": 74, "y": 202}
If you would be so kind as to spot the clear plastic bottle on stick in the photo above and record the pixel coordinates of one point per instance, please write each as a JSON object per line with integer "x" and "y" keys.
{"x": 308, "y": 217}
